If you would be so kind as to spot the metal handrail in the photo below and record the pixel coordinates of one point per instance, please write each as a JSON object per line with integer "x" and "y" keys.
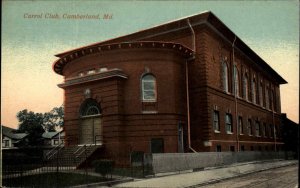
{"x": 101, "y": 139}
{"x": 83, "y": 149}
{"x": 79, "y": 148}
{"x": 53, "y": 151}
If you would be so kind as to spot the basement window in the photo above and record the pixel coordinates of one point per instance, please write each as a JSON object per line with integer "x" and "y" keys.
{"x": 232, "y": 148}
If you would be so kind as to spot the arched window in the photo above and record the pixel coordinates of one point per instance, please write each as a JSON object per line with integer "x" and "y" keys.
{"x": 148, "y": 88}
{"x": 254, "y": 90}
{"x": 245, "y": 86}
{"x": 267, "y": 97}
{"x": 225, "y": 77}
{"x": 90, "y": 107}
{"x": 261, "y": 93}
{"x": 272, "y": 100}
{"x": 236, "y": 81}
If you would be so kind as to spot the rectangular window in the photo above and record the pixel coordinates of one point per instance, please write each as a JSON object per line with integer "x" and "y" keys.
{"x": 180, "y": 137}
{"x": 249, "y": 127}
{"x": 6, "y": 143}
{"x": 271, "y": 131}
{"x": 216, "y": 122}
{"x": 228, "y": 120}
{"x": 219, "y": 149}
{"x": 241, "y": 129}
{"x": 232, "y": 148}
{"x": 264, "y": 130}
{"x": 257, "y": 128}
{"x": 276, "y": 131}
{"x": 252, "y": 148}
{"x": 148, "y": 88}
{"x": 242, "y": 148}
{"x": 157, "y": 145}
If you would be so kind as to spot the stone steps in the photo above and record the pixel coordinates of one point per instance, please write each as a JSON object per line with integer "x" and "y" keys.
{"x": 71, "y": 156}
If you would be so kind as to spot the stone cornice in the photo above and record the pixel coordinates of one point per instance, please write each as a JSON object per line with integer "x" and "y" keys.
{"x": 93, "y": 77}
{"x": 59, "y": 65}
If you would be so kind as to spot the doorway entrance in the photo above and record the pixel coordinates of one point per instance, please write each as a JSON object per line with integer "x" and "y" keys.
{"x": 90, "y": 128}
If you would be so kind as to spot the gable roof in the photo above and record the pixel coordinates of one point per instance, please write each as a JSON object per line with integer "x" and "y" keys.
{"x": 207, "y": 18}
{"x": 49, "y": 135}
{"x": 10, "y": 133}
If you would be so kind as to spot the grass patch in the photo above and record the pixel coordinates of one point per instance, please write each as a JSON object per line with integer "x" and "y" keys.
{"x": 52, "y": 180}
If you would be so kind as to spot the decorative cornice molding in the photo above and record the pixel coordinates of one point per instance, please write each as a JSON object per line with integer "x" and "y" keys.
{"x": 59, "y": 65}
{"x": 93, "y": 77}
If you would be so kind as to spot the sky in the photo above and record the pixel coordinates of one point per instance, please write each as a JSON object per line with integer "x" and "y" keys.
{"x": 270, "y": 28}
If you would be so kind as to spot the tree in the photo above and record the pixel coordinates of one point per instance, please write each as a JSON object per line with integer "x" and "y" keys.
{"x": 35, "y": 124}
{"x": 54, "y": 119}
{"x": 30, "y": 123}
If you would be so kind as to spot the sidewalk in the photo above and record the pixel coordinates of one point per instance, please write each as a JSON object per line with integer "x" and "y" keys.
{"x": 206, "y": 176}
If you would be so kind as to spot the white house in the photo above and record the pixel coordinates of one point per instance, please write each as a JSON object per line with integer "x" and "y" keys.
{"x": 53, "y": 138}
{"x": 10, "y": 139}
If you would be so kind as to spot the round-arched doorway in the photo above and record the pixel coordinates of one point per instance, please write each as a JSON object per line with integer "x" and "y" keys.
{"x": 90, "y": 129}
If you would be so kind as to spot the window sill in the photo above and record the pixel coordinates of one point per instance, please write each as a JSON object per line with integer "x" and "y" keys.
{"x": 148, "y": 101}
{"x": 241, "y": 134}
{"x": 217, "y": 131}
{"x": 149, "y": 112}
{"x": 229, "y": 132}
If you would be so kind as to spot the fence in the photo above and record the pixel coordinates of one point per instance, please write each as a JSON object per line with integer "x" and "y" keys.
{"x": 172, "y": 162}
{"x": 46, "y": 167}
{"x": 36, "y": 172}
{"x": 61, "y": 171}
{"x": 22, "y": 170}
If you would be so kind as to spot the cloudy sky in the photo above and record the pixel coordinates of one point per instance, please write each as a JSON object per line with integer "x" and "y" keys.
{"x": 270, "y": 28}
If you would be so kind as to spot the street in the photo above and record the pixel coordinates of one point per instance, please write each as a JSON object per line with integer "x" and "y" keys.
{"x": 284, "y": 177}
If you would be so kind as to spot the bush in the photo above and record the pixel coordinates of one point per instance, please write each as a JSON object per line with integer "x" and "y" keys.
{"x": 103, "y": 167}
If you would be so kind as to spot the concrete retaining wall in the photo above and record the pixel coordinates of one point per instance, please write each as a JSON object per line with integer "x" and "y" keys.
{"x": 172, "y": 162}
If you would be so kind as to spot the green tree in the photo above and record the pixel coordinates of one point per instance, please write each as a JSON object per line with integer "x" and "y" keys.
{"x": 35, "y": 124}
{"x": 30, "y": 123}
{"x": 54, "y": 119}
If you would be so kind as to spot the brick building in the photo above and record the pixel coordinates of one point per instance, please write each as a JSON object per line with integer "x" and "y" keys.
{"x": 187, "y": 85}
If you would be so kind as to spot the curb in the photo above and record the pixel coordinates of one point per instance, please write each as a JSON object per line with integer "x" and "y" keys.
{"x": 239, "y": 175}
{"x": 107, "y": 183}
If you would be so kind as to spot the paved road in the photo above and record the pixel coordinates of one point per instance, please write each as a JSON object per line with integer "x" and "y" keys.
{"x": 284, "y": 177}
